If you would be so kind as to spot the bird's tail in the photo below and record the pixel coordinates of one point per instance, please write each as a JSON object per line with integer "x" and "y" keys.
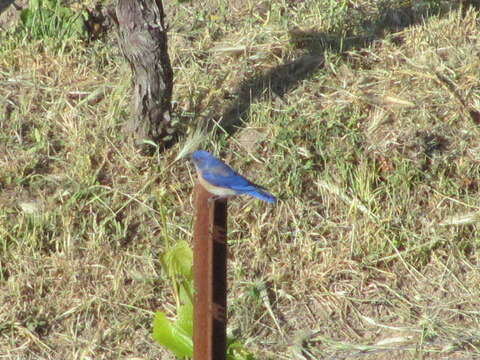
{"x": 263, "y": 195}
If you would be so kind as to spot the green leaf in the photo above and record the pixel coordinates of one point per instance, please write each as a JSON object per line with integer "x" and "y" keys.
{"x": 172, "y": 336}
{"x": 185, "y": 318}
{"x": 236, "y": 351}
{"x": 26, "y": 16}
{"x": 186, "y": 292}
{"x": 179, "y": 259}
{"x": 48, "y": 19}
{"x": 34, "y": 5}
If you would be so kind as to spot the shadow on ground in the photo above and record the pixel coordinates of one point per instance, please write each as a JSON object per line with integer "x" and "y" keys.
{"x": 284, "y": 78}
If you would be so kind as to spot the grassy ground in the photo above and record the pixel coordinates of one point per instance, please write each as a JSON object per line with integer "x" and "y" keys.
{"x": 359, "y": 115}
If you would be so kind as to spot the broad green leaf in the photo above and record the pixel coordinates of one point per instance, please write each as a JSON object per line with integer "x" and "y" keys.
{"x": 185, "y": 318}
{"x": 172, "y": 336}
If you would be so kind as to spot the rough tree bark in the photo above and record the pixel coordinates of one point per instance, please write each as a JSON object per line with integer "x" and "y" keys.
{"x": 143, "y": 41}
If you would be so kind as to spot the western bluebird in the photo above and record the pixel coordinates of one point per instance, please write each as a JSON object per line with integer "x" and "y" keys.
{"x": 221, "y": 180}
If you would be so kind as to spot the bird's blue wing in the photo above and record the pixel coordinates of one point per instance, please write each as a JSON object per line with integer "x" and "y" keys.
{"x": 219, "y": 174}
{"x": 223, "y": 175}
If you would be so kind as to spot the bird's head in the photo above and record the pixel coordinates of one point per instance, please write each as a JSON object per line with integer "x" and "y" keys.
{"x": 201, "y": 157}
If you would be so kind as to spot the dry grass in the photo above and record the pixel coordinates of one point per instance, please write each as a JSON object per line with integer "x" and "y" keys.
{"x": 367, "y": 132}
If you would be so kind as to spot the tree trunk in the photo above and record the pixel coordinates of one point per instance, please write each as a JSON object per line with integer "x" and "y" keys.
{"x": 143, "y": 41}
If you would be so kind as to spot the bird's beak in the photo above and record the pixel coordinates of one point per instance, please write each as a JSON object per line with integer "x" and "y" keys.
{"x": 190, "y": 157}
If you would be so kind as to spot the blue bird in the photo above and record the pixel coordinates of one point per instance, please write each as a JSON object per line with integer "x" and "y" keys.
{"x": 221, "y": 180}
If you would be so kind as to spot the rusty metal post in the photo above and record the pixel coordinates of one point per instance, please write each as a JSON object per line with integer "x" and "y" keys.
{"x": 210, "y": 272}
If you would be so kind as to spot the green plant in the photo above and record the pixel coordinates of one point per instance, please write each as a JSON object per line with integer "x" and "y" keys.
{"x": 49, "y": 19}
{"x": 177, "y": 336}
